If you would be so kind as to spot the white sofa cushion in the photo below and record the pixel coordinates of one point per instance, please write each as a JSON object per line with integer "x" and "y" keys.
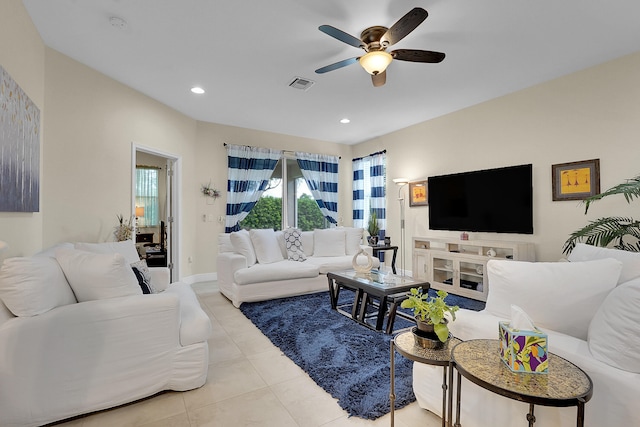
{"x": 329, "y": 242}
{"x": 33, "y": 285}
{"x": 307, "y": 243}
{"x": 283, "y": 270}
{"x": 614, "y": 332}
{"x": 95, "y": 276}
{"x": 293, "y": 242}
{"x": 265, "y": 245}
{"x": 353, "y": 239}
{"x": 242, "y": 245}
{"x": 562, "y": 296}
{"x": 630, "y": 260}
{"x": 126, "y": 248}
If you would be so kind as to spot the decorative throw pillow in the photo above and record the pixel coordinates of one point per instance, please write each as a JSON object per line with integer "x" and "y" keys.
{"x": 144, "y": 276}
{"x": 242, "y": 245}
{"x": 34, "y": 285}
{"x": 353, "y": 239}
{"x": 630, "y": 260}
{"x": 614, "y": 332}
{"x": 97, "y": 276}
{"x": 561, "y": 296}
{"x": 127, "y": 248}
{"x": 293, "y": 240}
{"x": 329, "y": 242}
{"x": 266, "y": 245}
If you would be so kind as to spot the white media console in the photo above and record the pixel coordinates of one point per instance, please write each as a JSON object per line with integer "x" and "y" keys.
{"x": 460, "y": 266}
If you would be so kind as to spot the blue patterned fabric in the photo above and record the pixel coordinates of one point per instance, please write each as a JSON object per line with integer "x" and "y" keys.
{"x": 249, "y": 171}
{"x": 369, "y": 190}
{"x": 321, "y": 174}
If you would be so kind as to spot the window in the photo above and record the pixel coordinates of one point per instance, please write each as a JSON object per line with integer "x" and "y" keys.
{"x": 147, "y": 195}
{"x": 287, "y": 202}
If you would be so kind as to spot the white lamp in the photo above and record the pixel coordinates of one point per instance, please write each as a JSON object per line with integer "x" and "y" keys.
{"x": 401, "y": 182}
{"x": 376, "y": 61}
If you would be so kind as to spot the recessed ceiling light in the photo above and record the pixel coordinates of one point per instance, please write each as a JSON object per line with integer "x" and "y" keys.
{"x": 197, "y": 90}
{"x": 345, "y": 121}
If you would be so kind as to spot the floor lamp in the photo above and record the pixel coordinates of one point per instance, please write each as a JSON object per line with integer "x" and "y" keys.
{"x": 401, "y": 182}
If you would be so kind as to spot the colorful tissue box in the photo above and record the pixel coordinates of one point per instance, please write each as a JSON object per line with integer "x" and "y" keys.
{"x": 523, "y": 351}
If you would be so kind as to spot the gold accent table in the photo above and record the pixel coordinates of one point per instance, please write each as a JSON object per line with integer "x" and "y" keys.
{"x": 564, "y": 385}
{"x": 405, "y": 345}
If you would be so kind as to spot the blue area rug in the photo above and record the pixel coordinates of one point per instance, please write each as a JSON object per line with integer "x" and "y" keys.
{"x": 346, "y": 359}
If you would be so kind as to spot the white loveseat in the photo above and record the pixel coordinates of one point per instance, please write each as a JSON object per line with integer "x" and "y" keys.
{"x": 60, "y": 358}
{"x": 259, "y": 265}
{"x": 589, "y": 308}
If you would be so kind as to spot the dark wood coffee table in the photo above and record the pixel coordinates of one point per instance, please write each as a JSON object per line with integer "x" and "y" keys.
{"x": 374, "y": 289}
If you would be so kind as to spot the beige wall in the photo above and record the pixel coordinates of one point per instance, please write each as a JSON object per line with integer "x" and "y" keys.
{"x": 90, "y": 122}
{"x": 212, "y": 166}
{"x": 22, "y": 56}
{"x": 590, "y": 114}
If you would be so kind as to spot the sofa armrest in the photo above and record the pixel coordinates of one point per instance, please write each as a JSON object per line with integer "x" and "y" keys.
{"x": 79, "y": 347}
{"x": 160, "y": 277}
{"x": 227, "y": 264}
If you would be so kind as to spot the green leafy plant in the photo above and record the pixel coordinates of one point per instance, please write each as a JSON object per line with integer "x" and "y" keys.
{"x": 433, "y": 310}
{"x": 373, "y": 229}
{"x": 624, "y": 232}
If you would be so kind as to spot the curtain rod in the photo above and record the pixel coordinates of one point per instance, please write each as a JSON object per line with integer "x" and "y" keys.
{"x": 284, "y": 151}
{"x": 369, "y": 155}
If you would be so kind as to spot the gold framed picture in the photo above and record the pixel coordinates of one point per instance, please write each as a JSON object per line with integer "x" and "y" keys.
{"x": 575, "y": 180}
{"x": 418, "y": 193}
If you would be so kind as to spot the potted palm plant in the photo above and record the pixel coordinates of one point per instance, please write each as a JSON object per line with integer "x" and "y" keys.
{"x": 624, "y": 232}
{"x": 432, "y": 316}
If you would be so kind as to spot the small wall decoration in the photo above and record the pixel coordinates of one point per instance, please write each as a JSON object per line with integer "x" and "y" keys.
{"x": 575, "y": 180}
{"x": 19, "y": 148}
{"x": 418, "y": 193}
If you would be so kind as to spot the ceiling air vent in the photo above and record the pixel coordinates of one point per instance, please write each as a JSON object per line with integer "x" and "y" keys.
{"x": 300, "y": 83}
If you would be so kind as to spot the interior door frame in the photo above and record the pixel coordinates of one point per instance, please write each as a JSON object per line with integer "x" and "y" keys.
{"x": 173, "y": 189}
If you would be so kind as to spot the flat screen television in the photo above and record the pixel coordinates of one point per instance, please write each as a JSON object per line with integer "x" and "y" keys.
{"x": 491, "y": 200}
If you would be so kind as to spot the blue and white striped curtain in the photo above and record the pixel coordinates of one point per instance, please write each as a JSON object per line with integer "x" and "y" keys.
{"x": 250, "y": 169}
{"x": 369, "y": 184}
{"x": 321, "y": 173}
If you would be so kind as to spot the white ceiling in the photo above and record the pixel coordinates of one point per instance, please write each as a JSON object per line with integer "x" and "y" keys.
{"x": 245, "y": 53}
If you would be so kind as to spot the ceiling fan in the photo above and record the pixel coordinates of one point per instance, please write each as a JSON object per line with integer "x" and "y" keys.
{"x": 375, "y": 40}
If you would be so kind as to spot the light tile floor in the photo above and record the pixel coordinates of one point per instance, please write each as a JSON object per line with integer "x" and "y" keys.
{"x": 250, "y": 383}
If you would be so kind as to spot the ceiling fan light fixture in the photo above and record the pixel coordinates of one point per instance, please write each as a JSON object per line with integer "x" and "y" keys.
{"x": 376, "y": 61}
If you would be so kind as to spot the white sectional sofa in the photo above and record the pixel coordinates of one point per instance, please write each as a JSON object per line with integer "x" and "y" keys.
{"x": 589, "y": 308}
{"x": 258, "y": 265}
{"x": 77, "y": 334}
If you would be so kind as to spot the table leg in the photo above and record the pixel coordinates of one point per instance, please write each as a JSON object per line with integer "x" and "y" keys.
{"x": 333, "y": 293}
{"x": 392, "y": 394}
{"x": 357, "y": 300}
{"x": 444, "y": 396}
{"x": 580, "y": 418}
{"x": 458, "y": 386}
{"x": 382, "y": 308}
{"x": 450, "y": 410}
{"x": 363, "y": 306}
{"x": 530, "y": 417}
{"x": 393, "y": 261}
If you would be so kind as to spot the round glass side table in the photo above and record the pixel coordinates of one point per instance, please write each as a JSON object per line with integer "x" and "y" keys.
{"x": 564, "y": 385}
{"x": 404, "y": 343}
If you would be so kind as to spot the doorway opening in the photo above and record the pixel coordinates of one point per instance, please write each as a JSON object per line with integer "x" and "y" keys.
{"x": 155, "y": 203}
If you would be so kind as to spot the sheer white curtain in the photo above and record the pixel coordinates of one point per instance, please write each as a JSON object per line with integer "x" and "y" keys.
{"x": 147, "y": 195}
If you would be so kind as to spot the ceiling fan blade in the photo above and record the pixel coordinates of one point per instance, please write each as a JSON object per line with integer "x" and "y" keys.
{"x": 341, "y": 35}
{"x": 337, "y": 65}
{"x": 404, "y": 26}
{"x": 414, "y": 55}
{"x": 379, "y": 79}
